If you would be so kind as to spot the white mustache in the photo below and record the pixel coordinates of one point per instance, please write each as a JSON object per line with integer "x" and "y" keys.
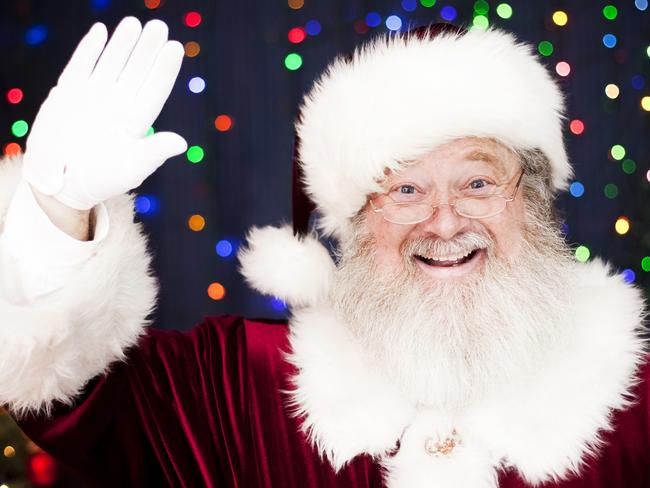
{"x": 460, "y": 245}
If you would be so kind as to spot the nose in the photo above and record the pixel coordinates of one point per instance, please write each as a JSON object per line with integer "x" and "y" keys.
{"x": 445, "y": 223}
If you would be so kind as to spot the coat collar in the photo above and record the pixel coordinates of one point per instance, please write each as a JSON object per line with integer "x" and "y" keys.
{"x": 543, "y": 429}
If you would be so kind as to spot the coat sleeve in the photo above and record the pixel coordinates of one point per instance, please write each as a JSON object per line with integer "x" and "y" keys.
{"x": 172, "y": 414}
{"x": 52, "y": 346}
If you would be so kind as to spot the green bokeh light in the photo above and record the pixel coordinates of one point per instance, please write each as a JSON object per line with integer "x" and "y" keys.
{"x": 427, "y": 3}
{"x": 645, "y": 263}
{"x": 481, "y": 7}
{"x": 195, "y": 154}
{"x": 481, "y": 22}
{"x": 628, "y": 166}
{"x": 19, "y": 128}
{"x": 150, "y": 131}
{"x": 545, "y": 48}
{"x": 582, "y": 253}
{"x": 618, "y": 152}
{"x": 293, "y": 61}
{"x": 610, "y": 12}
{"x": 504, "y": 10}
{"x": 610, "y": 190}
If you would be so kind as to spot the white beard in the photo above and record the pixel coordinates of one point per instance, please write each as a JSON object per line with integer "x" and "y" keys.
{"x": 448, "y": 344}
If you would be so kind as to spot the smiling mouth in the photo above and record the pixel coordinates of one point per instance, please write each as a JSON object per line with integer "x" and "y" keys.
{"x": 448, "y": 262}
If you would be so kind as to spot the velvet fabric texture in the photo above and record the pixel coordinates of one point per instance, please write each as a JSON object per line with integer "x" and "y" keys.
{"x": 208, "y": 407}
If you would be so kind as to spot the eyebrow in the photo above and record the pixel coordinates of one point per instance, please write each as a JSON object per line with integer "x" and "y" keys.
{"x": 482, "y": 156}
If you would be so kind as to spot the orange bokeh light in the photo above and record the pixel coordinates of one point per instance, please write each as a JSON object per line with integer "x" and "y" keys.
{"x": 196, "y": 223}
{"x": 12, "y": 149}
{"x": 216, "y": 291}
{"x": 223, "y": 123}
{"x": 152, "y": 4}
{"x": 192, "y": 49}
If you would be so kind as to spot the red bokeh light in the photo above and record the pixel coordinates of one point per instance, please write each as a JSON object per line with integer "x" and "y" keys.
{"x": 296, "y": 35}
{"x": 15, "y": 95}
{"x": 360, "y": 27}
{"x": 223, "y": 123}
{"x": 577, "y": 126}
{"x": 192, "y": 19}
{"x": 42, "y": 469}
{"x": 12, "y": 149}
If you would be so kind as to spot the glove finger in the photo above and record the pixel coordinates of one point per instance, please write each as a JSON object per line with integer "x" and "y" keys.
{"x": 85, "y": 56}
{"x": 152, "y": 39}
{"x": 117, "y": 51}
{"x": 156, "y": 88}
{"x": 151, "y": 152}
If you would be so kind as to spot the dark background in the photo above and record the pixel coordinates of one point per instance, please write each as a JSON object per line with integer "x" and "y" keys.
{"x": 244, "y": 178}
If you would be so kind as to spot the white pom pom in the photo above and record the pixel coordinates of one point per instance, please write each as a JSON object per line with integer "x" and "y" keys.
{"x": 296, "y": 270}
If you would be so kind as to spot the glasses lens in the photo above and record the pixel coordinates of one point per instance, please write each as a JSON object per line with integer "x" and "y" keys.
{"x": 408, "y": 213}
{"x": 481, "y": 207}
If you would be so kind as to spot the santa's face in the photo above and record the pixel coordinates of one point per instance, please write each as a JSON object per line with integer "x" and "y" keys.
{"x": 461, "y": 168}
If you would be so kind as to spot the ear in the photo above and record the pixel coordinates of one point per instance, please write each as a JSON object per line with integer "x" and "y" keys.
{"x": 297, "y": 270}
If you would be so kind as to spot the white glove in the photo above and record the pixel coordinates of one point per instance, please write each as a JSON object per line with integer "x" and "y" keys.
{"x": 87, "y": 143}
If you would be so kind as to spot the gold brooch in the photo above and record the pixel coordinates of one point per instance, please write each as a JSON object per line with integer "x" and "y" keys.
{"x": 444, "y": 447}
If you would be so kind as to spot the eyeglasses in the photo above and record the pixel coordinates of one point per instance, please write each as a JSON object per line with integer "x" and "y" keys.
{"x": 476, "y": 207}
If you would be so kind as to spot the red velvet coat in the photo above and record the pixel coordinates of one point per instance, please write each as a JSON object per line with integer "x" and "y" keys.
{"x": 206, "y": 408}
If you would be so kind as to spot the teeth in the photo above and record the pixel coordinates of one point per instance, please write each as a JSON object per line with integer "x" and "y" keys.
{"x": 450, "y": 258}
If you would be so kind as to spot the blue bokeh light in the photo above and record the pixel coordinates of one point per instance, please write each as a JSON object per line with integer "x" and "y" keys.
{"x": 146, "y": 204}
{"x": 577, "y": 189}
{"x": 448, "y": 13}
{"x": 641, "y": 4}
{"x": 609, "y": 40}
{"x": 373, "y": 19}
{"x": 224, "y": 248}
{"x": 196, "y": 84}
{"x": 638, "y": 82}
{"x": 277, "y": 304}
{"x": 409, "y": 5}
{"x": 99, "y": 4}
{"x": 36, "y": 34}
{"x": 393, "y": 22}
{"x": 564, "y": 228}
{"x": 313, "y": 27}
{"x": 629, "y": 276}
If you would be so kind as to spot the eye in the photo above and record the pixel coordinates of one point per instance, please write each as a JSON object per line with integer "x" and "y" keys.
{"x": 480, "y": 185}
{"x": 406, "y": 189}
{"x": 405, "y": 192}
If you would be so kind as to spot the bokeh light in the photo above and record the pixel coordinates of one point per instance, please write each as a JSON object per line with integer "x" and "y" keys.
{"x": 612, "y": 91}
{"x": 192, "y": 49}
{"x": 582, "y": 253}
{"x": 641, "y": 4}
{"x": 19, "y": 128}
{"x": 195, "y": 154}
{"x": 150, "y": 131}
{"x": 628, "y": 166}
{"x": 480, "y": 22}
{"x": 545, "y": 48}
{"x": 448, "y": 13}
{"x": 277, "y": 304}
{"x": 427, "y": 3}
{"x": 192, "y": 19}
{"x": 14, "y": 95}
{"x": 296, "y": 35}
{"x": 196, "y": 222}
{"x": 146, "y": 204}
{"x": 152, "y": 4}
{"x": 617, "y": 152}
{"x": 638, "y": 82}
{"x": 409, "y": 5}
{"x": 610, "y": 12}
{"x": 293, "y": 61}
{"x": 36, "y": 34}
{"x": 504, "y": 10}
{"x": 481, "y": 7}
{"x": 12, "y": 149}
{"x": 628, "y": 275}
{"x": 196, "y": 84}
{"x": 645, "y": 103}
{"x": 295, "y": 4}
{"x": 610, "y": 190}
{"x": 216, "y": 291}
{"x": 224, "y": 248}
{"x": 373, "y": 19}
{"x": 313, "y": 27}
{"x": 622, "y": 226}
{"x": 645, "y": 263}
{"x": 223, "y": 123}
{"x": 577, "y": 127}
{"x": 577, "y": 189}
{"x": 9, "y": 451}
{"x": 609, "y": 40}
{"x": 393, "y": 23}
{"x": 100, "y": 4}
{"x": 560, "y": 18}
{"x": 563, "y": 68}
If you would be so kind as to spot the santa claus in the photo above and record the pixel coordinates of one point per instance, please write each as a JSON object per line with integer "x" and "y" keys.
{"x": 452, "y": 342}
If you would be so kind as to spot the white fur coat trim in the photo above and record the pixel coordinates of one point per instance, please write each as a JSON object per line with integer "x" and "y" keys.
{"x": 398, "y": 98}
{"x": 543, "y": 429}
{"x": 52, "y": 348}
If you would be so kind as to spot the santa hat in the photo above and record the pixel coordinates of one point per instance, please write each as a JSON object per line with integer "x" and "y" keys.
{"x": 393, "y": 100}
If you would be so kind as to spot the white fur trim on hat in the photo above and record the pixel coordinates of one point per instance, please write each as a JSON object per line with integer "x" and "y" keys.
{"x": 294, "y": 269}
{"x": 400, "y": 97}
